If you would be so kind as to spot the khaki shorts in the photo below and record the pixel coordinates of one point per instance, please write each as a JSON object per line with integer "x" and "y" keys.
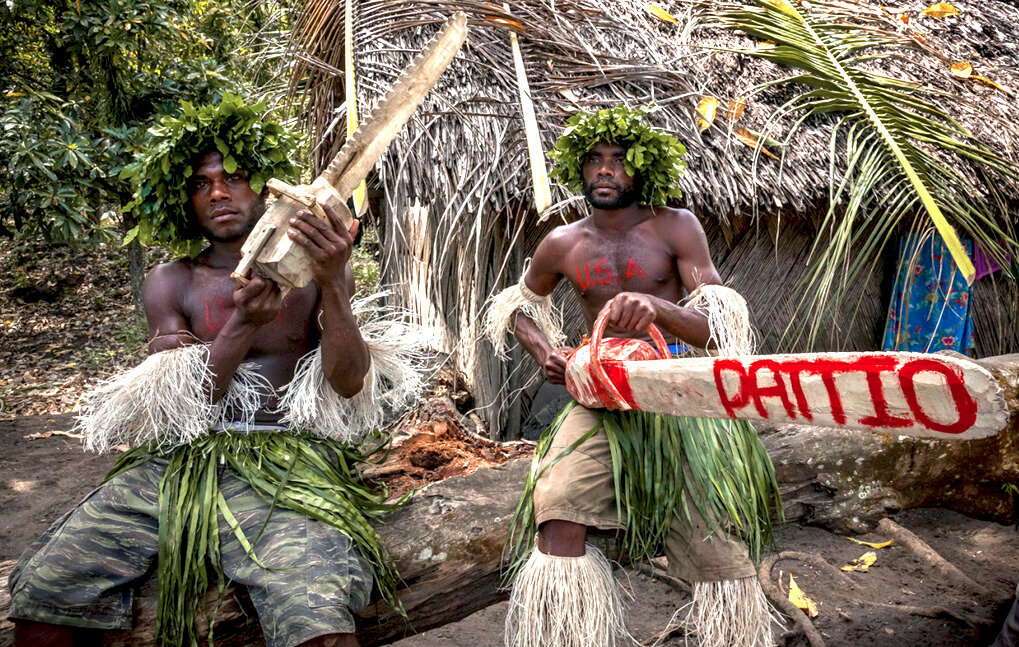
{"x": 580, "y": 488}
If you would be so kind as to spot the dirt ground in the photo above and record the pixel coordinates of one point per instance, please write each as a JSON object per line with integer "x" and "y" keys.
{"x": 886, "y": 606}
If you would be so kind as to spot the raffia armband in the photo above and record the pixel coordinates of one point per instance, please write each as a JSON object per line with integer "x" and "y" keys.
{"x": 519, "y": 298}
{"x": 728, "y": 319}
{"x": 396, "y": 378}
{"x": 167, "y": 399}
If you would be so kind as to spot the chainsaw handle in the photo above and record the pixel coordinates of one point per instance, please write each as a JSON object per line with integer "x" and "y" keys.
{"x": 599, "y": 371}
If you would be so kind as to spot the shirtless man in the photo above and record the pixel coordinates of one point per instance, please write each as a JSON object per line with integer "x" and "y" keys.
{"x": 638, "y": 261}
{"x": 81, "y": 572}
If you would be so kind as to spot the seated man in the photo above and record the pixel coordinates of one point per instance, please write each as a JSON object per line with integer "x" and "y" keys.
{"x": 241, "y": 420}
{"x": 661, "y": 482}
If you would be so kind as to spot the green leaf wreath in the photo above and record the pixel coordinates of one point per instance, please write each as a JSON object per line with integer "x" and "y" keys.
{"x": 159, "y": 175}
{"x": 652, "y": 154}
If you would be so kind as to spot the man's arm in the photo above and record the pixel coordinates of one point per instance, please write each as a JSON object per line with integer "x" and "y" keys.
{"x": 345, "y": 358}
{"x": 636, "y": 311}
{"x": 541, "y": 278}
{"x": 257, "y": 303}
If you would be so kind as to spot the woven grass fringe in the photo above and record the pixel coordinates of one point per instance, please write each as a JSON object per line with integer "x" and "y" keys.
{"x": 166, "y": 399}
{"x": 502, "y": 308}
{"x": 316, "y": 477}
{"x": 729, "y": 477}
{"x": 728, "y": 319}
{"x": 395, "y": 378}
{"x": 730, "y": 613}
{"x": 566, "y": 602}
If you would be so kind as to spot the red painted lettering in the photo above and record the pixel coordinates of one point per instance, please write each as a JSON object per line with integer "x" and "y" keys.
{"x": 874, "y": 366}
{"x": 585, "y": 282}
{"x": 632, "y": 270}
{"x": 741, "y": 397}
{"x": 604, "y": 271}
{"x": 965, "y": 406}
{"x": 801, "y": 397}
{"x": 777, "y": 390}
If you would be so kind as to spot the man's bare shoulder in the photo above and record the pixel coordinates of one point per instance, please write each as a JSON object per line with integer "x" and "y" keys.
{"x": 565, "y": 236}
{"x": 177, "y": 271}
{"x": 677, "y": 220}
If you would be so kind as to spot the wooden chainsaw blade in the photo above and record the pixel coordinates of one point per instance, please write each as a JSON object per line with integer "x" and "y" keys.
{"x": 354, "y": 161}
{"x": 910, "y": 394}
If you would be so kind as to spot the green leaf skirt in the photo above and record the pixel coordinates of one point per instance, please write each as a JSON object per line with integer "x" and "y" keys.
{"x": 313, "y": 476}
{"x": 730, "y": 480}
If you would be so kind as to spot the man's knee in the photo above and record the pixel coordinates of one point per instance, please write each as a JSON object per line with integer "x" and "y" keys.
{"x": 562, "y": 538}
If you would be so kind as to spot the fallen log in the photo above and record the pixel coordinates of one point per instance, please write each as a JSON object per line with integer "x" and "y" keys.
{"x": 847, "y": 481}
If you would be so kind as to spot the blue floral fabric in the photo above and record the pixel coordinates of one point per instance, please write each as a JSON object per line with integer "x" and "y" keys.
{"x": 930, "y": 306}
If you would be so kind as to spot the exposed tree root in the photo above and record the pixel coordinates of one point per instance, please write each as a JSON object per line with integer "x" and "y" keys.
{"x": 922, "y": 549}
{"x": 819, "y": 562}
{"x": 676, "y": 583}
{"x": 782, "y": 603}
{"x": 930, "y": 612}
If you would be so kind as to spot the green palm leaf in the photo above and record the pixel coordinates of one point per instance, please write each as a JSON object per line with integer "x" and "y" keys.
{"x": 904, "y": 157}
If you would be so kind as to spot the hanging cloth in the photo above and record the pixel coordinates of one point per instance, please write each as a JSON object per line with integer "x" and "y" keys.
{"x": 930, "y": 306}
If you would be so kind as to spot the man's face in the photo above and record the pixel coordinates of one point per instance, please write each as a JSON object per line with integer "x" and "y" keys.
{"x": 223, "y": 205}
{"x": 607, "y": 185}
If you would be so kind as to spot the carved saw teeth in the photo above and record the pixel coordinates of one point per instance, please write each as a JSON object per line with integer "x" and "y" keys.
{"x": 369, "y": 141}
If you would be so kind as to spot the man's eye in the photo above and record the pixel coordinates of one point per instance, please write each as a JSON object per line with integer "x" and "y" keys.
{"x": 236, "y": 176}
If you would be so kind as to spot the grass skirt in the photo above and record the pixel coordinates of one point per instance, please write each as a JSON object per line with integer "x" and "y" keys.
{"x": 730, "y": 480}
{"x": 314, "y": 476}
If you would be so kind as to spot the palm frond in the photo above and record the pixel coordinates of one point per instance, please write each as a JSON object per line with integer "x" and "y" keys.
{"x": 904, "y": 156}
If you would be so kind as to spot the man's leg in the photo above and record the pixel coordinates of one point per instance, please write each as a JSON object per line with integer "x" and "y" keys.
{"x": 565, "y": 594}
{"x": 729, "y": 608}
{"x": 78, "y": 574}
{"x": 39, "y": 634}
{"x": 313, "y": 580}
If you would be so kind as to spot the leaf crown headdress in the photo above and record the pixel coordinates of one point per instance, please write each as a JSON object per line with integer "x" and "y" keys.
{"x": 651, "y": 153}
{"x": 160, "y": 174}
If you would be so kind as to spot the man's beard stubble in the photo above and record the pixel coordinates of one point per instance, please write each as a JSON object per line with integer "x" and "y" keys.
{"x": 623, "y": 199}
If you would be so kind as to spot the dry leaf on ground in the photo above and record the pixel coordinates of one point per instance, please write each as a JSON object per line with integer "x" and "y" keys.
{"x": 861, "y": 563}
{"x": 800, "y": 599}
{"x": 871, "y": 544}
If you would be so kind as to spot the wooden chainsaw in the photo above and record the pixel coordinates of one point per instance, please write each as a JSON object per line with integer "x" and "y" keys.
{"x": 268, "y": 250}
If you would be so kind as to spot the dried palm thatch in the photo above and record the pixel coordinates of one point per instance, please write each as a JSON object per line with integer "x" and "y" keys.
{"x": 457, "y": 203}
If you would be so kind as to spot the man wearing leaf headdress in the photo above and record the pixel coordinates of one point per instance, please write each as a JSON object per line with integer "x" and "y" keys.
{"x": 661, "y": 482}
{"x": 246, "y": 419}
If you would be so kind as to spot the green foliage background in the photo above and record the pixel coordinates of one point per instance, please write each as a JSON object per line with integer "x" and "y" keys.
{"x": 81, "y": 81}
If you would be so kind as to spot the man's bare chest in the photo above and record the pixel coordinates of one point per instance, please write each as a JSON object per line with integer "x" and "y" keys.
{"x": 601, "y": 268}
{"x": 209, "y": 306}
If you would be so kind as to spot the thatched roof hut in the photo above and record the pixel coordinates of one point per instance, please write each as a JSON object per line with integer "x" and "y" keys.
{"x": 456, "y": 202}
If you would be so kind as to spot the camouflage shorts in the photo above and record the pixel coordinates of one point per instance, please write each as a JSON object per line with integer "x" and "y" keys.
{"x": 82, "y": 571}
